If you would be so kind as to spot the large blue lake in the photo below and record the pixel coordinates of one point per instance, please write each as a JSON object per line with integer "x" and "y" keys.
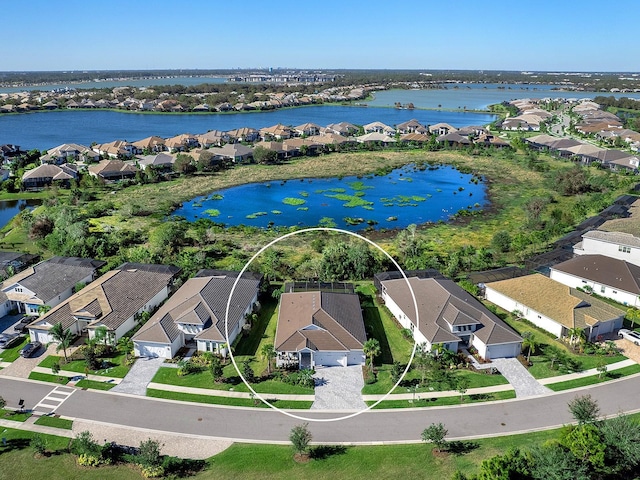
{"x": 405, "y": 196}
{"x": 45, "y": 130}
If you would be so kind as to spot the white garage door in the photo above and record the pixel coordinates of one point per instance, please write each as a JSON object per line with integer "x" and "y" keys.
{"x": 355, "y": 358}
{"x": 330, "y": 359}
{"x": 40, "y": 336}
{"x": 152, "y": 350}
{"x": 509, "y": 350}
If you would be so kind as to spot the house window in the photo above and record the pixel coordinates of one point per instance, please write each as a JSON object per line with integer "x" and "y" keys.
{"x": 584, "y": 281}
{"x": 614, "y": 292}
{"x": 624, "y": 249}
{"x": 539, "y": 317}
{"x": 18, "y": 289}
{"x": 602, "y": 289}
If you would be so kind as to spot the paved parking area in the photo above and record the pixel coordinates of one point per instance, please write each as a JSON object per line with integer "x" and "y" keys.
{"x": 139, "y": 376}
{"x": 22, "y": 367}
{"x": 339, "y": 388}
{"x": 628, "y": 349}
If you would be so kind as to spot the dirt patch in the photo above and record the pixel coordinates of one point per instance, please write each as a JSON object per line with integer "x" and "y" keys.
{"x": 302, "y": 457}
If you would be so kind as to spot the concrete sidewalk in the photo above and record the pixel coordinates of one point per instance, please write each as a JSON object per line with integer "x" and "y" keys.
{"x": 586, "y": 373}
{"x": 69, "y": 373}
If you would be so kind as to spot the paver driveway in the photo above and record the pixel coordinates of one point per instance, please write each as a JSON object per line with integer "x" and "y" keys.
{"x": 339, "y": 388}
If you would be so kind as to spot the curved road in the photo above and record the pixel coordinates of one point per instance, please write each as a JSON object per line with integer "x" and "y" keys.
{"x": 381, "y": 426}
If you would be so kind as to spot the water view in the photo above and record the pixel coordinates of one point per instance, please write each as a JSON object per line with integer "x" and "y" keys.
{"x": 44, "y": 130}
{"x": 478, "y": 96}
{"x": 10, "y": 208}
{"x": 407, "y": 195}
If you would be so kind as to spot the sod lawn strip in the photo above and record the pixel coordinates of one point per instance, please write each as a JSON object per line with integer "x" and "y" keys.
{"x": 95, "y": 385}
{"x": 422, "y": 400}
{"x": 594, "y": 379}
{"x": 56, "y": 422}
{"x": 117, "y": 370}
{"x": 48, "y": 377}
{"x": 14, "y": 415}
{"x": 238, "y": 402}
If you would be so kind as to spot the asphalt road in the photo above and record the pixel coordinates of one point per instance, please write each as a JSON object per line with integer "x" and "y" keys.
{"x": 266, "y": 425}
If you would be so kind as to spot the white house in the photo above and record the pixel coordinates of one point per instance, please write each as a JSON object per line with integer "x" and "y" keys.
{"x": 449, "y": 316}
{"x": 195, "y": 314}
{"x": 317, "y": 328}
{"x": 46, "y": 284}
{"x": 623, "y": 246}
{"x": 115, "y": 301}
{"x": 555, "y": 307}
{"x": 608, "y": 277}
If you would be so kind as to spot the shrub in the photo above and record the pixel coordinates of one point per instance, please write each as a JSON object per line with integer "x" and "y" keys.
{"x": 149, "y": 454}
{"x": 39, "y": 444}
{"x": 152, "y": 472}
{"x": 84, "y": 444}
{"x": 87, "y": 460}
{"x": 300, "y": 438}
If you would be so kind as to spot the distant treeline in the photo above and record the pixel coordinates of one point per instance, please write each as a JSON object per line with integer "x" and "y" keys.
{"x": 622, "y": 102}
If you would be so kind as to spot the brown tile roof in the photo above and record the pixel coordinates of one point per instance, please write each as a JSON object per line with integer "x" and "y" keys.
{"x": 563, "y": 304}
{"x": 441, "y": 303}
{"x": 320, "y": 321}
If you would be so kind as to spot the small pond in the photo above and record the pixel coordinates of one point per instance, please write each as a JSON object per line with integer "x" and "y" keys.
{"x": 404, "y": 196}
{"x": 10, "y": 208}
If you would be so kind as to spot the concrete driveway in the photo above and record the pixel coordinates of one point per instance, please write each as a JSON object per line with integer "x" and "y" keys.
{"x": 338, "y": 388}
{"x": 139, "y": 376}
{"x": 22, "y": 367}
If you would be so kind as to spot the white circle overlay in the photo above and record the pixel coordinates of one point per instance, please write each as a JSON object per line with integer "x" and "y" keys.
{"x": 288, "y": 412}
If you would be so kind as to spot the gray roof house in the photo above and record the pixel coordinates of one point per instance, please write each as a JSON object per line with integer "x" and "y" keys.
{"x": 46, "y": 284}
{"x": 195, "y": 314}
{"x": 608, "y": 277}
{"x": 319, "y": 328}
{"x": 115, "y": 301}
{"x": 450, "y": 316}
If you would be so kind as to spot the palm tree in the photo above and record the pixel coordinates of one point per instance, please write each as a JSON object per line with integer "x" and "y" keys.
{"x": 268, "y": 352}
{"x": 530, "y": 343}
{"x": 576, "y": 334}
{"x": 63, "y": 336}
{"x": 125, "y": 345}
{"x": 371, "y": 349}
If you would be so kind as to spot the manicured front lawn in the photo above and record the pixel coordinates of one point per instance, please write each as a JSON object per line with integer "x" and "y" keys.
{"x": 55, "y": 422}
{"x": 47, "y": 377}
{"x": 238, "y": 402}
{"x": 95, "y": 385}
{"x": 422, "y": 400}
{"x": 10, "y": 354}
{"x": 594, "y": 379}
{"x": 14, "y": 415}
{"x": 384, "y": 383}
{"x": 117, "y": 368}
{"x": 168, "y": 375}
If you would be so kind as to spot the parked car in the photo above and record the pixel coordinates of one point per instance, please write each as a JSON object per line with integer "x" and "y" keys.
{"x": 629, "y": 335}
{"x": 21, "y": 326}
{"x": 8, "y": 340}
{"x": 30, "y": 349}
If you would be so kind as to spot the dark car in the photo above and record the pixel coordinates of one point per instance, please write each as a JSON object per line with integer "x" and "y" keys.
{"x": 30, "y": 349}
{"x": 21, "y": 326}
{"x": 8, "y": 340}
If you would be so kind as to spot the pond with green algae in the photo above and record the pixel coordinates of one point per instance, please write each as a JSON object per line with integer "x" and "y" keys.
{"x": 404, "y": 196}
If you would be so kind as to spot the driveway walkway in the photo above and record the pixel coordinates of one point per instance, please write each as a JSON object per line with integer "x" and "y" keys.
{"x": 519, "y": 377}
{"x": 339, "y": 388}
{"x": 22, "y": 367}
{"x": 139, "y": 376}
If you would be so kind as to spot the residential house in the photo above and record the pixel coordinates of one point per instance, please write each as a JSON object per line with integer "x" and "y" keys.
{"x": 307, "y": 129}
{"x": 622, "y": 246}
{"x": 112, "y": 170}
{"x": 159, "y": 161}
{"x": 196, "y": 314}
{"x": 453, "y": 139}
{"x": 448, "y": 316}
{"x": 376, "y": 137}
{"x": 116, "y": 149}
{"x": 46, "y": 284}
{"x": 555, "y": 307}
{"x": 441, "y": 129}
{"x": 341, "y": 128}
{"x": 236, "y": 152}
{"x": 607, "y": 277}
{"x": 277, "y": 132}
{"x": 151, "y": 144}
{"x": 379, "y": 127}
{"x": 181, "y": 142}
{"x": 69, "y": 152}
{"x": 412, "y": 126}
{"x": 244, "y": 134}
{"x": 213, "y": 138}
{"x": 115, "y": 300}
{"x": 46, "y": 174}
{"x": 317, "y": 328}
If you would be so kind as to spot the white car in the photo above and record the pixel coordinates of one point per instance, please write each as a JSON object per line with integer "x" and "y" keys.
{"x": 629, "y": 335}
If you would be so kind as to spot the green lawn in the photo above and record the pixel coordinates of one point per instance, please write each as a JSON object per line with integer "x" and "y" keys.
{"x": 384, "y": 383}
{"x": 238, "y": 402}
{"x": 55, "y": 422}
{"x": 168, "y": 375}
{"x": 422, "y": 400}
{"x": 47, "y": 377}
{"x": 594, "y": 379}
{"x": 10, "y": 354}
{"x": 114, "y": 366}
{"x": 14, "y": 415}
{"x": 95, "y": 385}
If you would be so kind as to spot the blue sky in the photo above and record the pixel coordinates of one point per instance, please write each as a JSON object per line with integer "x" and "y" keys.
{"x": 559, "y": 35}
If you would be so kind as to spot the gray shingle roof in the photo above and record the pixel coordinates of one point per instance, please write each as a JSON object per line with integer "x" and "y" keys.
{"x": 604, "y": 270}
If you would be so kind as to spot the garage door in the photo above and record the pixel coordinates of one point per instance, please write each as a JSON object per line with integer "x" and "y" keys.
{"x": 148, "y": 350}
{"x": 330, "y": 359}
{"x": 503, "y": 351}
{"x": 355, "y": 358}
{"x": 40, "y": 336}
